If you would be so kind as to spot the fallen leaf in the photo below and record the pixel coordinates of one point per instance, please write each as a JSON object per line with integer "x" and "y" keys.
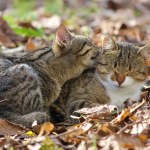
{"x": 120, "y": 118}
{"x": 143, "y": 137}
{"x": 133, "y": 118}
{"x": 31, "y": 45}
{"x": 6, "y": 41}
{"x": 107, "y": 129}
{"x": 46, "y": 128}
{"x": 101, "y": 108}
{"x": 26, "y": 25}
{"x": 30, "y": 133}
{"x": 8, "y": 37}
{"x": 8, "y": 128}
{"x": 121, "y": 141}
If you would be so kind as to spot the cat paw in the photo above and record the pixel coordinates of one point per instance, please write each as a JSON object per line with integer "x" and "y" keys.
{"x": 40, "y": 117}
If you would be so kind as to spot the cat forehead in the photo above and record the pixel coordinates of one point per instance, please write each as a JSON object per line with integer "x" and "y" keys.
{"x": 124, "y": 53}
{"x": 127, "y": 47}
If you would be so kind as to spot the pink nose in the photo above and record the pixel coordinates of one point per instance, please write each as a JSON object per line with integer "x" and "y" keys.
{"x": 120, "y": 79}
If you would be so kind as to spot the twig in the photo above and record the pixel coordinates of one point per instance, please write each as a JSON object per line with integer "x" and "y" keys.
{"x": 138, "y": 106}
{"x": 65, "y": 133}
{"x": 127, "y": 112}
{"x": 124, "y": 128}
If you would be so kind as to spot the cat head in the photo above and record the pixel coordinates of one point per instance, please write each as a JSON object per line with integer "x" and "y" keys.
{"x": 66, "y": 43}
{"x": 122, "y": 63}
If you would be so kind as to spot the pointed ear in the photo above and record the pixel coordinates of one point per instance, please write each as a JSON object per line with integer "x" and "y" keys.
{"x": 109, "y": 43}
{"x": 145, "y": 52}
{"x": 62, "y": 40}
{"x": 63, "y": 36}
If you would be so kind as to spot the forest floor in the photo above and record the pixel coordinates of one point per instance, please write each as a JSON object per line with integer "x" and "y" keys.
{"x": 31, "y": 27}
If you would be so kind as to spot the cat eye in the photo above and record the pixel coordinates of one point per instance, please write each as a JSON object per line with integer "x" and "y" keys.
{"x": 103, "y": 64}
{"x": 115, "y": 64}
{"x": 129, "y": 67}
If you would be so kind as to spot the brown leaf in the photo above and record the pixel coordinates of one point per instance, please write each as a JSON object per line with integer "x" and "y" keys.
{"x": 124, "y": 141}
{"x": 31, "y": 45}
{"x": 6, "y": 41}
{"x": 9, "y": 143}
{"x": 26, "y": 24}
{"x": 46, "y": 128}
{"x": 8, "y": 37}
{"x": 120, "y": 118}
{"x": 107, "y": 129}
{"x": 8, "y": 128}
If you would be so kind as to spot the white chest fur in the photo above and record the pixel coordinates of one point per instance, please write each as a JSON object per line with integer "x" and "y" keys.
{"x": 129, "y": 89}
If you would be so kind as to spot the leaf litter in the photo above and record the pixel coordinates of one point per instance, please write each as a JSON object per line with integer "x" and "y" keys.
{"x": 102, "y": 127}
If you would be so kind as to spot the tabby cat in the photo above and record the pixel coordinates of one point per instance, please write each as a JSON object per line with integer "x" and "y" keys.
{"x": 29, "y": 84}
{"x": 122, "y": 70}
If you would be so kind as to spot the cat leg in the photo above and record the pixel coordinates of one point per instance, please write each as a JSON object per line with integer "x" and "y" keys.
{"x": 25, "y": 120}
{"x": 77, "y": 105}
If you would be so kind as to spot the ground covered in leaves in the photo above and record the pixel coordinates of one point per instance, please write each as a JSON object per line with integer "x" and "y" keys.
{"x": 31, "y": 25}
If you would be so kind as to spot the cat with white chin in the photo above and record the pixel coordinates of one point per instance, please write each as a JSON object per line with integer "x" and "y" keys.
{"x": 121, "y": 72}
{"x": 130, "y": 88}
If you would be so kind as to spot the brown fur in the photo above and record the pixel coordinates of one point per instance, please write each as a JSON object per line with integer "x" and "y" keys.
{"x": 29, "y": 84}
{"x": 120, "y": 61}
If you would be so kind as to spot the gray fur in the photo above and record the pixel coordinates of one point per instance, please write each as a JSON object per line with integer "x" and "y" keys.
{"x": 30, "y": 83}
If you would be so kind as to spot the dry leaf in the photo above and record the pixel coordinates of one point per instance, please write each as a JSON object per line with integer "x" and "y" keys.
{"x": 107, "y": 129}
{"x": 46, "y": 128}
{"x": 8, "y": 37}
{"x": 121, "y": 141}
{"x": 120, "y": 118}
{"x": 133, "y": 118}
{"x": 101, "y": 110}
{"x": 31, "y": 45}
{"x": 8, "y": 128}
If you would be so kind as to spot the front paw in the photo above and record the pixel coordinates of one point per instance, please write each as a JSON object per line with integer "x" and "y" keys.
{"x": 41, "y": 117}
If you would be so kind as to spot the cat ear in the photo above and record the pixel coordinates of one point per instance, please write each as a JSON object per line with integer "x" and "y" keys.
{"x": 63, "y": 36}
{"x": 62, "y": 40}
{"x": 145, "y": 51}
{"x": 109, "y": 43}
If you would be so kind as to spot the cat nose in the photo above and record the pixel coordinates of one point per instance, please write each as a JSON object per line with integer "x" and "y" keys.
{"x": 120, "y": 79}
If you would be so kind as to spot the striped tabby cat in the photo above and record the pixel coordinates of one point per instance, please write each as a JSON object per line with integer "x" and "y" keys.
{"x": 122, "y": 70}
{"x": 29, "y": 84}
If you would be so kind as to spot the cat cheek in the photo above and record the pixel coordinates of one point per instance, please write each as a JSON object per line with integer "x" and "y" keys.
{"x": 113, "y": 78}
{"x": 140, "y": 77}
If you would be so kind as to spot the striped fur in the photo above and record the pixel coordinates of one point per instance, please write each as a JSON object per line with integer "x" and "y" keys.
{"x": 30, "y": 83}
{"x": 95, "y": 87}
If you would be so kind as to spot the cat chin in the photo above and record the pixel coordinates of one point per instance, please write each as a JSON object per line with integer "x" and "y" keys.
{"x": 131, "y": 89}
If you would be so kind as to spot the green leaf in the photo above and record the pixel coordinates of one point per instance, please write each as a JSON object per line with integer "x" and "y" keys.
{"x": 54, "y": 6}
{"x": 28, "y": 31}
{"x": 48, "y": 144}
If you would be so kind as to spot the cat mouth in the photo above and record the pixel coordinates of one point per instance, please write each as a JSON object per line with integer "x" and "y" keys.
{"x": 119, "y": 86}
